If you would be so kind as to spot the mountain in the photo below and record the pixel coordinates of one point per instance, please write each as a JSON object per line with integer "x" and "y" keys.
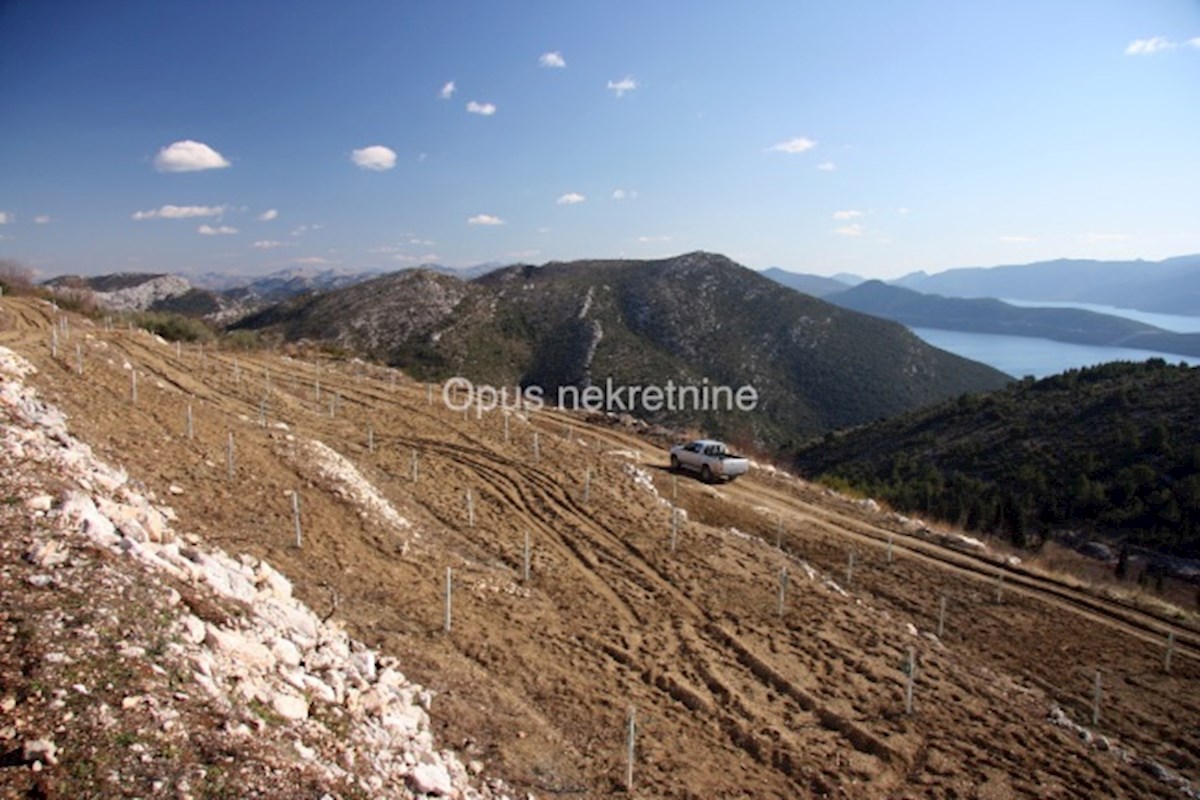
{"x": 986, "y": 315}
{"x": 1110, "y": 450}
{"x": 137, "y": 291}
{"x": 816, "y": 285}
{"x": 689, "y": 320}
{"x": 1171, "y": 286}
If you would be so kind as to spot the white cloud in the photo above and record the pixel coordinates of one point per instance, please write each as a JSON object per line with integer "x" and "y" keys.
{"x": 570, "y": 199}
{"x": 485, "y": 219}
{"x": 1017, "y": 239}
{"x": 268, "y": 215}
{"x": 448, "y": 90}
{"x": 271, "y": 244}
{"x": 624, "y": 194}
{"x": 1194, "y": 42}
{"x": 646, "y": 239}
{"x": 42, "y": 219}
{"x": 5, "y": 217}
{"x": 188, "y": 156}
{"x": 179, "y": 212}
{"x": 797, "y": 144}
{"x": 853, "y": 229}
{"x": 524, "y": 253}
{"x": 220, "y": 230}
{"x": 376, "y": 158}
{"x": 848, "y": 214}
{"x": 552, "y": 60}
{"x": 903, "y": 210}
{"x": 626, "y": 84}
{"x": 300, "y": 230}
{"x": 1148, "y": 47}
{"x": 827, "y": 166}
{"x": 483, "y": 109}
{"x": 312, "y": 261}
{"x": 423, "y": 242}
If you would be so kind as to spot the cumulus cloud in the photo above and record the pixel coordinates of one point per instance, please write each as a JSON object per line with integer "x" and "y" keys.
{"x": 827, "y": 166}
{"x": 1148, "y": 47}
{"x": 851, "y": 213}
{"x": 485, "y": 219}
{"x": 42, "y": 219}
{"x": 271, "y": 244}
{"x": 648, "y": 239}
{"x": 483, "y": 109}
{"x": 188, "y": 156}
{"x": 268, "y": 215}
{"x": 570, "y": 199}
{"x": 300, "y": 230}
{"x": 626, "y": 84}
{"x": 376, "y": 158}
{"x": 220, "y": 230}
{"x": 853, "y": 229}
{"x": 448, "y": 90}
{"x": 797, "y": 144}
{"x": 624, "y": 194}
{"x": 179, "y": 212}
{"x": 552, "y": 60}
{"x": 5, "y": 217}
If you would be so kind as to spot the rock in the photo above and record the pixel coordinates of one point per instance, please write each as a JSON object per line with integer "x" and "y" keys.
{"x": 173, "y": 489}
{"x": 40, "y": 502}
{"x": 49, "y": 553}
{"x": 285, "y": 652}
{"x": 431, "y": 779}
{"x": 43, "y": 750}
{"x": 290, "y": 706}
{"x": 193, "y": 629}
{"x": 239, "y": 648}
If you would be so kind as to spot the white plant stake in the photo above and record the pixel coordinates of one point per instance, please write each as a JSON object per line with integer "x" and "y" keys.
{"x": 78, "y": 359}
{"x": 999, "y": 586}
{"x": 941, "y": 616}
{"x": 414, "y": 465}
{"x": 190, "y": 433}
{"x": 674, "y": 526}
{"x": 849, "y": 568}
{"x": 908, "y": 686}
{"x": 587, "y": 485}
{"x": 889, "y": 550}
{"x": 54, "y": 342}
{"x": 525, "y": 560}
{"x": 133, "y": 385}
{"x": 537, "y": 447}
{"x": 1096, "y": 691}
{"x": 629, "y": 750}
{"x": 470, "y": 509}
{"x": 370, "y": 439}
{"x": 229, "y": 456}
{"x": 296, "y": 517}
{"x": 783, "y": 581}
{"x": 449, "y": 591}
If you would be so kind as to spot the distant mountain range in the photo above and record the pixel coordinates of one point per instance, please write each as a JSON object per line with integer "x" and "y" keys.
{"x": 816, "y": 285}
{"x": 982, "y": 315}
{"x": 1171, "y": 286}
{"x": 687, "y": 319}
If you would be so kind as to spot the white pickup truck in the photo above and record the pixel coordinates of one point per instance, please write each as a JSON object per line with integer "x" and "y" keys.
{"x": 709, "y": 458}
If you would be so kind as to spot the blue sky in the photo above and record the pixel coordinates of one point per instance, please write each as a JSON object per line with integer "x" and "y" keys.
{"x": 870, "y": 137}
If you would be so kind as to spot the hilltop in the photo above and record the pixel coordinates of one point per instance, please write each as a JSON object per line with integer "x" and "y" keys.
{"x": 734, "y": 694}
{"x": 1110, "y": 450}
{"x": 686, "y": 319}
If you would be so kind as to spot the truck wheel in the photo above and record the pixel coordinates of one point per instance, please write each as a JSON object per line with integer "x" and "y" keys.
{"x": 674, "y": 463}
{"x": 706, "y": 474}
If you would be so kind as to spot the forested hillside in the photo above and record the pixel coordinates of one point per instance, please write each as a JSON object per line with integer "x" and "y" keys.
{"x": 1113, "y": 449}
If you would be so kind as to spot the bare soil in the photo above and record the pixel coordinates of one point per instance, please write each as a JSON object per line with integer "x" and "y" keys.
{"x": 732, "y": 698}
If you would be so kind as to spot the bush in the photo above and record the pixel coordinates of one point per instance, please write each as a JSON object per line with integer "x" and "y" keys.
{"x": 173, "y": 327}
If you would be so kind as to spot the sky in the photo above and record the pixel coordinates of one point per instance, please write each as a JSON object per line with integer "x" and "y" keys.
{"x": 875, "y": 138}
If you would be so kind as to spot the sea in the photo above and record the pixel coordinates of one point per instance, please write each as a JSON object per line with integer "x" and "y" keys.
{"x": 1022, "y": 356}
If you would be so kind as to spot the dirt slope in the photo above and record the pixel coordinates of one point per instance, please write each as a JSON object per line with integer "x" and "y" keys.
{"x": 732, "y": 698}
